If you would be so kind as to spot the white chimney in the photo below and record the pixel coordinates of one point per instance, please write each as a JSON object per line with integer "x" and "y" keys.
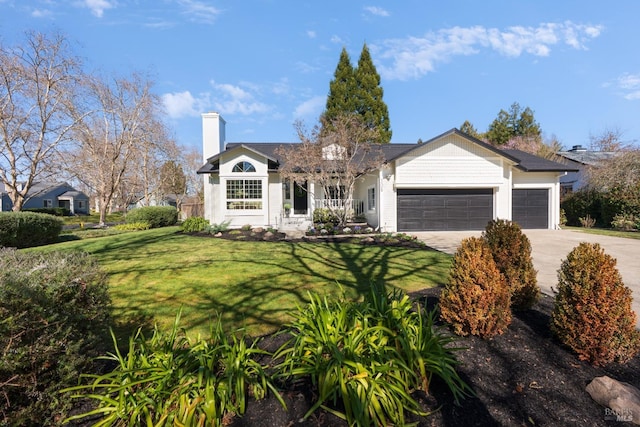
{"x": 213, "y": 135}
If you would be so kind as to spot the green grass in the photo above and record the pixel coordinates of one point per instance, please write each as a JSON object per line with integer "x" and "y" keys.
{"x": 154, "y": 273}
{"x": 606, "y": 232}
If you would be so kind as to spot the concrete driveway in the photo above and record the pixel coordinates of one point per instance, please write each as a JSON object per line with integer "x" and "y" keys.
{"x": 551, "y": 247}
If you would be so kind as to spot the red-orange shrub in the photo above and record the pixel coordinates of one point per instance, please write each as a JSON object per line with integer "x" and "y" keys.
{"x": 511, "y": 250}
{"x": 592, "y": 312}
{"x": 476, "y": 298}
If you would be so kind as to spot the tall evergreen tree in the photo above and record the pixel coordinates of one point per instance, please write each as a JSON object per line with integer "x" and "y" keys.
{"x": 358, "y": 91}
{"x": 342, "y": 88}
{"x": 370, "y": 105}
{"x": 468, "y": 128}
{"x": 514, "y": 123}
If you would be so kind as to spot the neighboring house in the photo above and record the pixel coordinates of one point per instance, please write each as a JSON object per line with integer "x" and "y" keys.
{"x": 580, "y": 158}
{"x": 165, "y": 200}
{"x": 451, "y": 182}
{"x": 51, "y": 195}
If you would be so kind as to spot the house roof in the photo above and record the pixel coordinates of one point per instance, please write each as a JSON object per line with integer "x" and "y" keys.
{"x": 587, "y": 157}
{"x": 525, "y": 161}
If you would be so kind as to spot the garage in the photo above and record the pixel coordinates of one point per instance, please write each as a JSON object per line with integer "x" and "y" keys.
{"x": 444, "y": 209}
{"x": 531, "y": 208}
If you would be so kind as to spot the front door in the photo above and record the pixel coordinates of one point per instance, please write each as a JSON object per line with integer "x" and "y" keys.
{"x": 300, "y": 198}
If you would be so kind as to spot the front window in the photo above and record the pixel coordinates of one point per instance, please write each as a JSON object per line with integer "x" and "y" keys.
{"x": 48, "y": 203}
{"x": 244, "y": 167}
{"x": 371, "y": 198}
{"x": 244, "y": 194}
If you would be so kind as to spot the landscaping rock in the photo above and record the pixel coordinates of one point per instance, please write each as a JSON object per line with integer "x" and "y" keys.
{"x": 621, "y": 399}
{"x": 368, "y": 240}
{"x": 218, "y": 234}
{"x": 268, "y": 235}
{"x": 258, "y": 230}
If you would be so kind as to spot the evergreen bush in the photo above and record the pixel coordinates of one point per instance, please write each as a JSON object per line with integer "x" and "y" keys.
{"x": 476, "y": 298}
{"x": 511, "y": 251}
{"x": 194, "y": 224}
{"x": 156, "y": 216}
{"x": 54, "y": 311}
{"x": 28, "y": 229}
{"x": 592, "y": 312}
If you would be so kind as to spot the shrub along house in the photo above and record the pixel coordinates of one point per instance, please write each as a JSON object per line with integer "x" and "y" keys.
{"x": 451, "y": 182}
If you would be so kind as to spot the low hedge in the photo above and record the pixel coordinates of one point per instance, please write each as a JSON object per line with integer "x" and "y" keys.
{"x": 156, "y": 216}
{"x": 55, "y": 318}
{"x": 28, "y": 229}
{"x": 50, "y": 211}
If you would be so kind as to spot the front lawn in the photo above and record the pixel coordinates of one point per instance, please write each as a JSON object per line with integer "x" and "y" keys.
{"x": 606, "y": 232}
{"x": 154, "y": 273}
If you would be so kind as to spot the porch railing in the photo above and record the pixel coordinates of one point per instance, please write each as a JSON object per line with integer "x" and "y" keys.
{"x": 356, "y": 209}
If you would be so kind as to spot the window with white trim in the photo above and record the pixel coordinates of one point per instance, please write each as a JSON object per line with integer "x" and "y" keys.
{"x": 371, "y": 198}
{"x": 48, "y": 203}
{"x": 244, "y": 194}
{"x": 244, "y": 167}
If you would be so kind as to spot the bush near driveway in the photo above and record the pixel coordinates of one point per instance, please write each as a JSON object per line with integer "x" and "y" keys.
{"x": 476, "y": 299}
{"x": 54, "y": 311}
{"x": 592, "y": 313}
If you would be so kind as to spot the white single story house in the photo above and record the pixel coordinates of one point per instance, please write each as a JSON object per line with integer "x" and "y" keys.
{"x": 451, "y": 182}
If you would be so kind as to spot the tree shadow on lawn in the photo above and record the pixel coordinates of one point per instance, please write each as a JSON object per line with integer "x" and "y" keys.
{"x": 263, "y": 302}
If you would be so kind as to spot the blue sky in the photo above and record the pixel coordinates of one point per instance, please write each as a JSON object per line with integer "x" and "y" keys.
{"x": 262, "y": 64}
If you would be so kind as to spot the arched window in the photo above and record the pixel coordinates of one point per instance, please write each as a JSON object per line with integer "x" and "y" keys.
{"x": 244, "y": 167}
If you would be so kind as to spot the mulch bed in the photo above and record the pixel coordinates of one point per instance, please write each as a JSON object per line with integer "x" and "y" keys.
{"x": 524, "y": 377}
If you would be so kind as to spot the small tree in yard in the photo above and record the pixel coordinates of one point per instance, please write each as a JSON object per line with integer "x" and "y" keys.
{"x": 332, "y": 160}
{"x": 476, "y": 299}
{"x": 511, "y": 251}
{"x": 592, "y": 313}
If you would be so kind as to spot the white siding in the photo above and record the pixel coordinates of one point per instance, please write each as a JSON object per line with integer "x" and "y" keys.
{"x": 452, "y": 161}
{"x": 388, "y": 200}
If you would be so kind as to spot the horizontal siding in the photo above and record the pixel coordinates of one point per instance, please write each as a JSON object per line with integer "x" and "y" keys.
{"x": 450, "y": 161}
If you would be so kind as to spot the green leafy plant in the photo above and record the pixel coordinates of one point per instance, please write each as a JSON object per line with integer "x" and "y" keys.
{"x": 625, "y": 222}
{"x": 54, "y": 314}
{"x": 476, "y": 298}
{"x": 170, "y": 380}
{"x": 133, "y": 226}
{"x": 592, "y": 312}
{"x": 219, "y": 228}
{"x": 156, "y": 216}
{"x": 194, "y": 224}
{"x": 587, "y": 221}
{"x": 511, "y": 251}
{"x": 28, "y": 229}
{"x": 367, "y": 355}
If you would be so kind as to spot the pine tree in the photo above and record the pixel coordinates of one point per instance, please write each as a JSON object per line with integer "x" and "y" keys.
{"x": 468, "y": 128}
{"x": 358, "y": 91}
{"x": 341, "y": 97}
{"x": 514, "y": 123}
{"x": 370, "y": 105}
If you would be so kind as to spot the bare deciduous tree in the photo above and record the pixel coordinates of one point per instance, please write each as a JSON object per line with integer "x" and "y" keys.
{"x": 111, "y": 139}
{"x": 38, "y": 82}
{"x": 333, "y": 160}
{"x": 610, "y": 139}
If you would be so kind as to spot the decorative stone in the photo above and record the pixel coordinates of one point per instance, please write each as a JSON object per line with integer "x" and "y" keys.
{"x": 622, "y": 400}
{"x": 268, "y": 235}
{"x": 368, "y": 240}
{"x": 258, "y": 230}
{"x": 218, "y": 234}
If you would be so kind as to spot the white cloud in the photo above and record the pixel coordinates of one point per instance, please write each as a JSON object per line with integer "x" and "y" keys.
{"x": 311, "y": 34}
{"x": 40, "y": 13}
{"x": 232, "y": 99}
{"x": 311, "y": 107}
{"x": 97, "y": 7}
{"x": 183, "y": 104}
{"x": 375, "y": 10}
{"x": 630, "y": 85}
{"x": 336, "y": 39}
{"x": 413, "y": 57}
{"x": 200, "y": 11}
